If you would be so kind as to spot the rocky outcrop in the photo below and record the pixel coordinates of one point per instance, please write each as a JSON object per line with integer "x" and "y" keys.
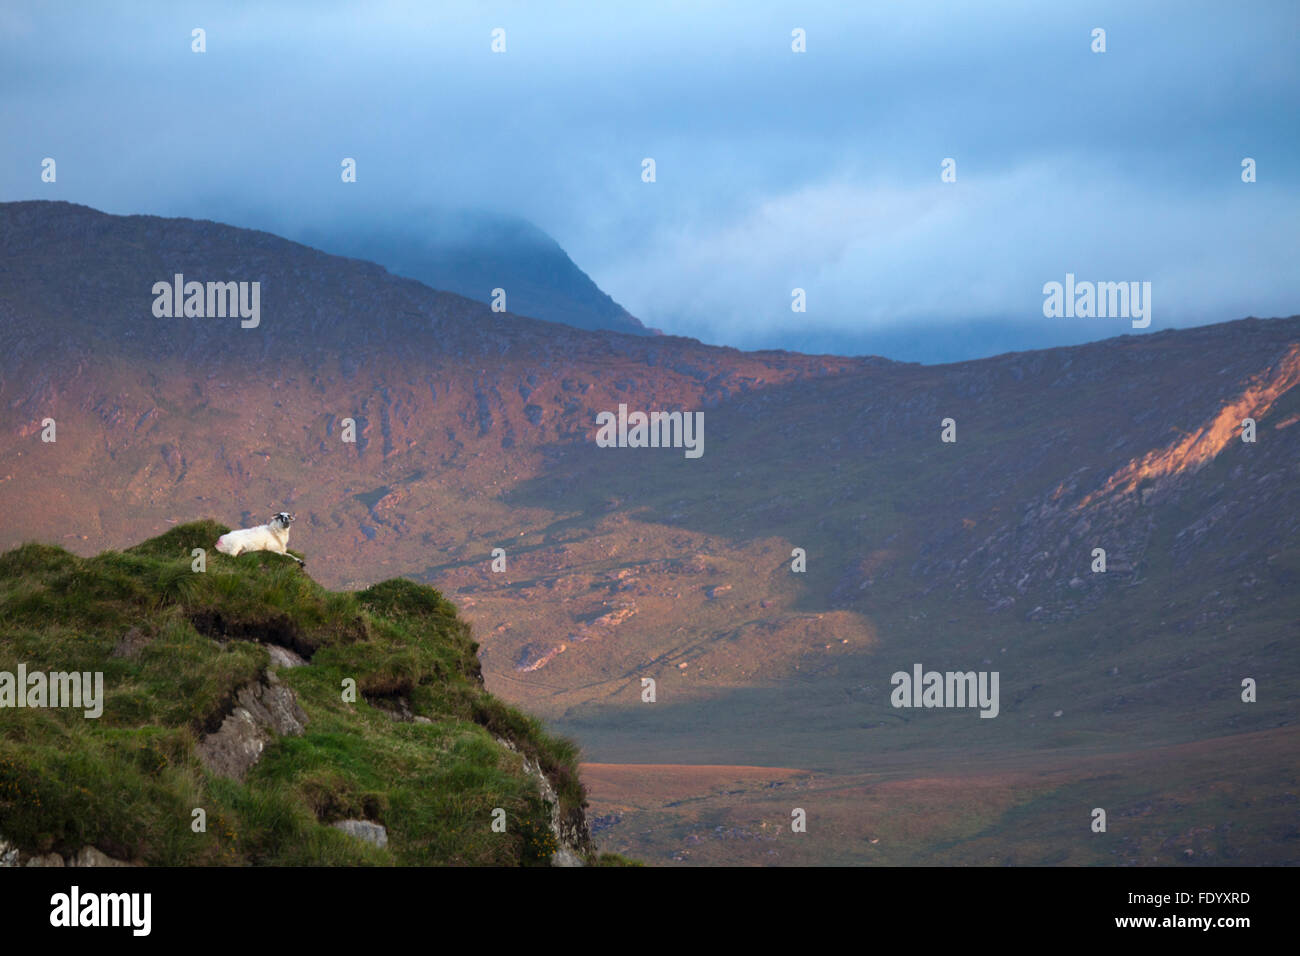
{"x": 1193, "y": 451}
{"x": 262, "y": 711}
{"x": 364, "y": 830}
{"x": 10, "y": 855}
{"x": 399, "y": 711}
{"x": 284, "y": 657}
{"x": 89, "y": 856}
{"x": 571, "y": 831}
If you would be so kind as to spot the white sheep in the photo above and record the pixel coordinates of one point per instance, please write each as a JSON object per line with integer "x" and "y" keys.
{"x": 272, "y": 536}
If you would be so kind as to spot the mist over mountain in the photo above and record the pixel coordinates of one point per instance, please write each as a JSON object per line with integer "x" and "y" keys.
{"x": 471, "y": 253}
{"x": 1120, "y": 688}
{"x": 939, "y": 342}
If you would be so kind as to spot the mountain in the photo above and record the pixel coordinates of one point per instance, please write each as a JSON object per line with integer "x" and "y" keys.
{"x": 472, "y": 253}
{"x": 219, "y": 689}
{"x": 1120, "y": 690}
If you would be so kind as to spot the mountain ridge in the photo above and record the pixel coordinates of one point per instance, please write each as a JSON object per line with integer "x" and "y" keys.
{"x": 474, "y": 433}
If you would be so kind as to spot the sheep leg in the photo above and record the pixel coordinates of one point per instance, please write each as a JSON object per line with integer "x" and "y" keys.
{"x": 300, "y": 561}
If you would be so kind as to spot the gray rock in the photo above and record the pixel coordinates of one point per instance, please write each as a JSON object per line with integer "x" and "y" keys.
{"x": 130, "y": 643}
{"x": 401, "y": 713}
{"x": 235, "y": 747}
{"x": 49, "y": 859}
{"x": 364, "y": 830}
{"x": 89, "y": 856}
{"x": 274, "y": 706}
{"x": 262, "y": 711}
{"x": 8, "y": 853}
{"x": 283, "y": 657}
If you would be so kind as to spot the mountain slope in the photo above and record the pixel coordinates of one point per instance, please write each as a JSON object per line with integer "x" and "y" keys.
{"x": 473, "y": 253}
{"x": 474, "y": 432}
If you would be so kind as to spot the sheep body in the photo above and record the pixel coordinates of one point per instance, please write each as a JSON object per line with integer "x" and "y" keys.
{"x": 272, "y": 536}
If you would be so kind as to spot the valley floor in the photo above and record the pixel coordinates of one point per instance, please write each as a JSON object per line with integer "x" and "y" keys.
{"x": 1171, "y": 805}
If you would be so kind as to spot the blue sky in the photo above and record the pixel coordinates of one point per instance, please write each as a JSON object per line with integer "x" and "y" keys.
{"x": 775, "y": 170}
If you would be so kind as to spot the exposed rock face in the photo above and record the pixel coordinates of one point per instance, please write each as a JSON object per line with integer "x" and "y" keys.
{"x": 533, "y": 657}
{"x": 262, "y": 711}
{"x": 572, "y": 832}
{"x": 10, "y": 855}
{"x": 1192, "y": 451}
{"x": 89, "y": 856}
{"x": 284, "y": 657}
{"x": 364, "y": 830}
{"x": 401, "y": 712}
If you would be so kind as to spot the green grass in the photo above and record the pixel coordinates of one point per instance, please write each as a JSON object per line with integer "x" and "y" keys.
{"x": 175, "y": 646}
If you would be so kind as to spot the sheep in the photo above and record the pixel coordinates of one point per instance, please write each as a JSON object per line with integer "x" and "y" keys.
{"x": 272, "y": 536}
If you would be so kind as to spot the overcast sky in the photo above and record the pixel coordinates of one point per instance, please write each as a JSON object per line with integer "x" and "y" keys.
{"x": 775, "y": 169}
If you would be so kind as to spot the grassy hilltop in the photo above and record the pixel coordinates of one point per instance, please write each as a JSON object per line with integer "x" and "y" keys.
{"x": 419, "y": 752}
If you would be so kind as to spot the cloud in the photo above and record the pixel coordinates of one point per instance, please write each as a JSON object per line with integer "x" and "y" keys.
{"x": 775, "y": 169}
{"x": 873, "y": 256}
